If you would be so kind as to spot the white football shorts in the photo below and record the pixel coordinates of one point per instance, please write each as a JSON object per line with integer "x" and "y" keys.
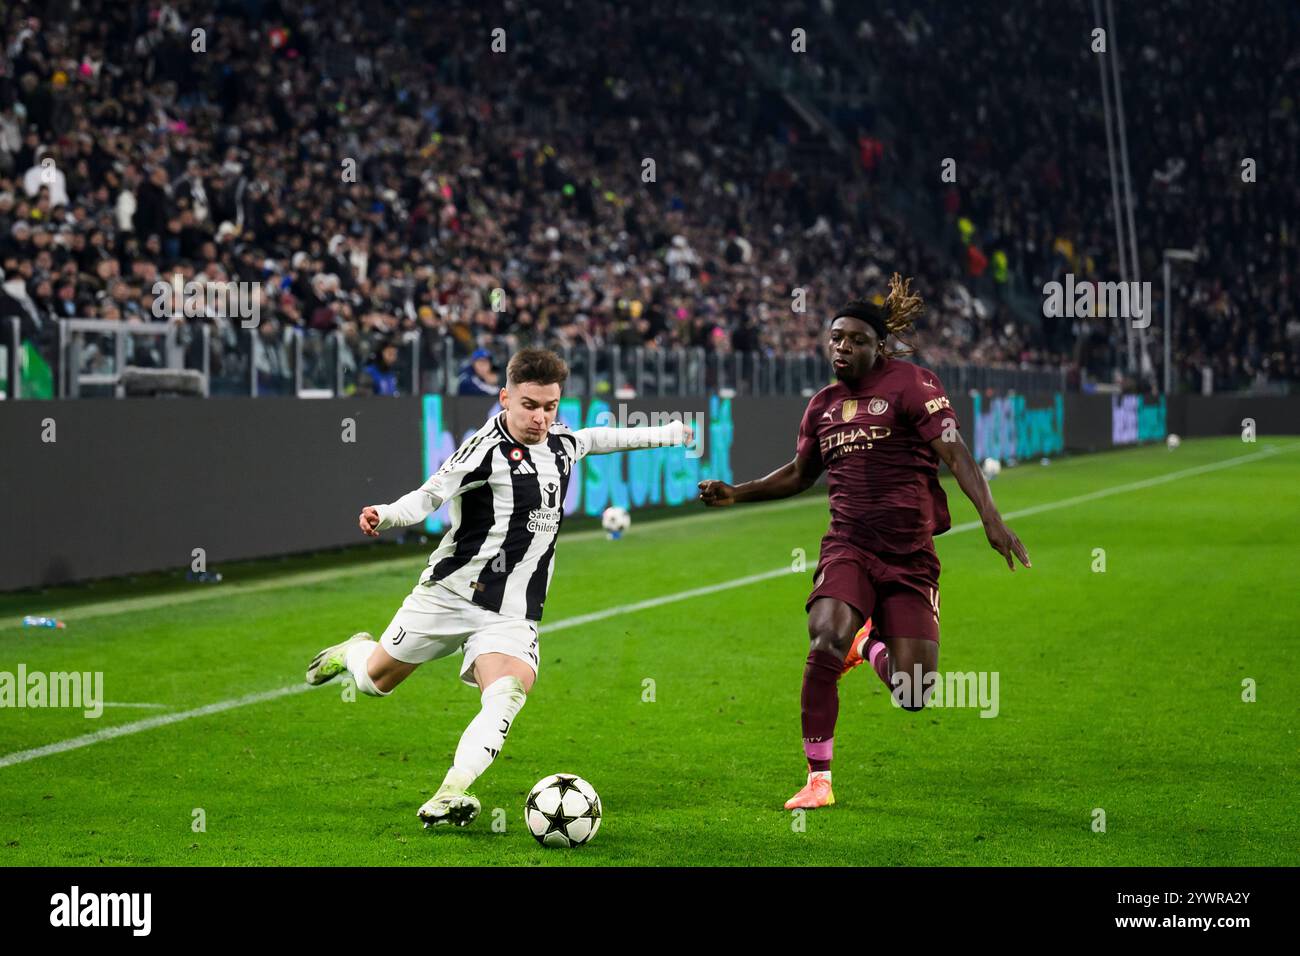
{"x": 436, "y": 621}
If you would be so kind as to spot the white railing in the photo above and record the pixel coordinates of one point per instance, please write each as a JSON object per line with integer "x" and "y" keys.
{"x": 72, "y": 333}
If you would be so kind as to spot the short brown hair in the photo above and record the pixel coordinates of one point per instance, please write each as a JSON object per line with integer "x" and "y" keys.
{"x": 537, "y": 365}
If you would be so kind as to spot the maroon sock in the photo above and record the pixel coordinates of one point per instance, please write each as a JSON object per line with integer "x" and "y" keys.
{"x": 819, "y": 707}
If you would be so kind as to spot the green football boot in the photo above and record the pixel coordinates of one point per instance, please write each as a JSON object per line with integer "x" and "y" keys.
{"x": 332, "y": 661}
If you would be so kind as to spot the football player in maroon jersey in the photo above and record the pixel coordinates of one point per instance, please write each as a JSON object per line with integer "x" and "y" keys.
{"x": 879, "y": 433}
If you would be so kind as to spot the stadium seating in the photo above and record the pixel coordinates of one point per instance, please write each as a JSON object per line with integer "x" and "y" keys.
{"x": 381, "y": 173}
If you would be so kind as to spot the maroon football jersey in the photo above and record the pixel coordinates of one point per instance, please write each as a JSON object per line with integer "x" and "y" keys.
{"x": 874, "y": 442}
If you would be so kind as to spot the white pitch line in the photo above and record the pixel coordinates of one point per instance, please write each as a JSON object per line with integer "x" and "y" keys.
{"x": 1134, "y": 485}
{"x": 660, "y": 601}
{"x": 126, "y": 704}
{"x": 139, "y": 726}
{"x": 408, "y": 563}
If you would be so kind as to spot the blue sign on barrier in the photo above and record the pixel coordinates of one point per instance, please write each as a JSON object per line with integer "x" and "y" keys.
{"x": 1008, "y": 429}
{"x": 627, "y": 479}
{"x": 1134, "y": 419}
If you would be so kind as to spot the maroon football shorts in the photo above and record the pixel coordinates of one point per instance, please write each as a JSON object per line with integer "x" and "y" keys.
{"x": 899, "y": 592}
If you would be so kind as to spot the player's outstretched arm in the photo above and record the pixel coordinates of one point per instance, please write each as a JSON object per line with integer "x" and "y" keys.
{"x": 407, "y": 510}
{"x": 788, "y": 480}
{"x": 961, "y": 463}
{"x": 604, "y": 440}
{"x": 465, "y": 470}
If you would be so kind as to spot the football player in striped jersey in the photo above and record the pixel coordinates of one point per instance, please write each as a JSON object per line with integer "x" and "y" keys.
{"x": 485, "y": 585}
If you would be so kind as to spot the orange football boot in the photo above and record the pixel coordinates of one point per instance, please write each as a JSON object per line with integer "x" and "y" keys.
{"x": 815, "y": 793}
{"x": 854, "y": 656}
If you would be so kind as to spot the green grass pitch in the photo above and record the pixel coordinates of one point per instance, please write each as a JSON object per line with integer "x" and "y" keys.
{"x": 1120, "y": 691}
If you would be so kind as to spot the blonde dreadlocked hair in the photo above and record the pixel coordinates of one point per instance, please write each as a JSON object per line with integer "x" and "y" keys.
{"x": 888, "y": 315}
{"x": 903, "y": 307}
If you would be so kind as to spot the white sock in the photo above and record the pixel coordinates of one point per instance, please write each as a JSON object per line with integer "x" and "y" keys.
{"x": 457, "y": 779}
{"x": 357, "y": 658}
{"x": 486, "y": 733}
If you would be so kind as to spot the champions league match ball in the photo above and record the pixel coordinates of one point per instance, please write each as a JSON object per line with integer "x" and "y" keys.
{"x": 615, "y": 520}
{"x": 562, "y": 810}
{"x": 991, "y": 468}
{"x": 1173, "y": 441}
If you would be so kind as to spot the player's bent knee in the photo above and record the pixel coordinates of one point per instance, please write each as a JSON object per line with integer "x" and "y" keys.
{"x": 910, "y": 695}
{"x": 492, "y": 668}
{"x": 825, "y": 639}
{"x": 509, "y": 690}
{"x": 906, "y": 696}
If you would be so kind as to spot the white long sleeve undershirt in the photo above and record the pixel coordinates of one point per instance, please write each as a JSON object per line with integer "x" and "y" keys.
{"x": 601, "y": 441}
{"x": 412, "y": 508}
{"x": 415, "y": 506}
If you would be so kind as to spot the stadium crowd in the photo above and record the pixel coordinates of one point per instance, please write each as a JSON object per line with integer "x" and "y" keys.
{"x": 381, "y": 170}
{"x": 1205, "y": 87}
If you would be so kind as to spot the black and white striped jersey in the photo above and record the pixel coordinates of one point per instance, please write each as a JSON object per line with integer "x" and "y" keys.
{"x": 507, "y": 504}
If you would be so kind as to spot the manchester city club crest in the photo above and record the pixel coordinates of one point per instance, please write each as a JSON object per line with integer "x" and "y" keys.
{"x": 849, "y": 409}
{"x": 877, "y": 406}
